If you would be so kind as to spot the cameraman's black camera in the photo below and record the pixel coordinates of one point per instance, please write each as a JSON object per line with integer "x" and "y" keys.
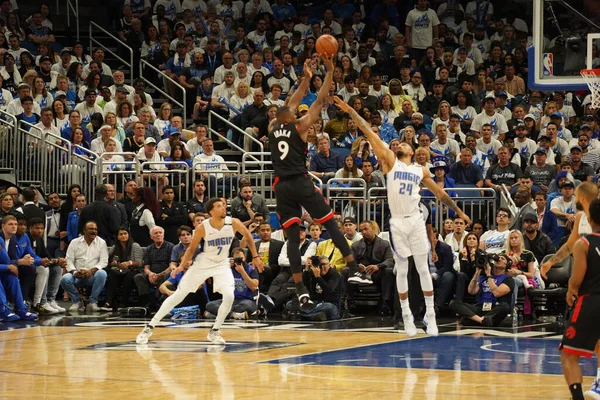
{"x": 315, "y": 261}
{"x": 482, "y": 259}
{"x": 238, "y": 261}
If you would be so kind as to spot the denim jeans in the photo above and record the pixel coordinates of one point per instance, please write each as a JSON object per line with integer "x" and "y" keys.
{"x": 239, "y": 306}
{"x": 329, "y": 309}
{"x": 96, "y": 281}
{"x": 51, "y": 288}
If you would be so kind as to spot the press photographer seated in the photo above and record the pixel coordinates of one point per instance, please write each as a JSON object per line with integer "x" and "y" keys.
{"x": 493, "y": 286}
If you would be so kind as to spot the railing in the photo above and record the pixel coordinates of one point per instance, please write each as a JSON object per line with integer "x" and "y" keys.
{"x": 377, "y": 209}
{"x": 261, "y": 175}
{"x": 117, "y": 173}
{"x": 144, "y": 64}
{"x": 157, "y": 174}
{"x": 83, "y": 169}
{"x": 246, "y": 136}
{"x": 219, "y": 182}
{"x": 507, "y": 201}
{"x": 106, "y": 49}
{"x": 348, "y": 197}
{"x": 8, "y": 133}
{"x": 75, "y": 10}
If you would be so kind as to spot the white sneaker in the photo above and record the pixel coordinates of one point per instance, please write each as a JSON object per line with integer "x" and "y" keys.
{"x": 409, "y": 325}
{"x": 144, "y": 335}
{"x": 76, "y": 307}
{"x": 594, "y": 392}
{"x": 92, "y": 307}
{"x": 242, "y": 315}
{"x": 48, "y": 309}
{"x": 360, "y": 278}
{"x": 214, "y": 336}
{"x": 431, "y": 324}
{"x": 58, "y": 308}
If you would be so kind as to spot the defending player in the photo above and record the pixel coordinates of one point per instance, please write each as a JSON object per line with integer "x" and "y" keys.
{"x": 582, "y": 335}
{"x": 407, "y": 229}
{"x": 218, "y": 232}
{"x": 293, "y": 187}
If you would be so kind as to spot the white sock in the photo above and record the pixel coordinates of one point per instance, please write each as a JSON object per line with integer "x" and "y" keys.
{"x": 429, "y": 305}
{"x": 598, "y": 374}
{"x": 405, "y": 307}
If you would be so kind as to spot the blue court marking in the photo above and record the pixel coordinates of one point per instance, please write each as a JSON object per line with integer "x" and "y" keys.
{"x": 489, "y": 354}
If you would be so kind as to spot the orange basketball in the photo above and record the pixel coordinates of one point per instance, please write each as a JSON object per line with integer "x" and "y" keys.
{"x": 327, "y": 44}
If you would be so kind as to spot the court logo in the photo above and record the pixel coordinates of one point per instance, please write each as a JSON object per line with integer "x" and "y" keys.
{"x": 548, "y": 64}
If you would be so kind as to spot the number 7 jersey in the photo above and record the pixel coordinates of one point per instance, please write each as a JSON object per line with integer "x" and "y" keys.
{"x": 403, "y": 186}
{"x": 288, "y": 150}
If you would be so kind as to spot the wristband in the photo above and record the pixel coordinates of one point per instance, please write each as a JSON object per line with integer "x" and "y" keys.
{"x": 256, "y": 256}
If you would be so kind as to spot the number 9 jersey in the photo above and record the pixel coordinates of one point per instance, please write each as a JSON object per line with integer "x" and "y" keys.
{"x": 403, "y": 186}
{"x": 288, "y": 150}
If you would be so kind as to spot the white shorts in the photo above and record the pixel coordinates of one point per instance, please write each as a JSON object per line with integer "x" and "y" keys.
{"x": 195, "y": 276}
{"x": 409, "y": 236}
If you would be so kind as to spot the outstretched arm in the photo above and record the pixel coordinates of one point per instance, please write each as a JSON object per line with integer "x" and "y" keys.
{"x": 315, "y": 109}
{"x": 443, "y": 196}
{"x": 294, "y": 101}
{"x": 384, "y": 154}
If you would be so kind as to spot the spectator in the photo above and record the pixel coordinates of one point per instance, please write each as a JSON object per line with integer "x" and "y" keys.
{"x": 125, "y": 260}
{"x": 524, "y": 204}
{"x": 503, "y": 173}
{"x": 110, "y": 199}
{"x": 541, "y": 173}
{"x": 322, "y": 282}
{"x": 445, "y": 146}
{"x": 547, "y": 221}
{"x": 325, "y": 163}
{"x": 197, "y": 203}
{"x": 73, "y": 218}
{"x": 564, "y": 207}
{"x": 443, "y": 273}
{"x": 350, "y": 231}
{"x": 29, "y": 209}
{"x": 535, "y": 240}
{"x": 149, "y": 129}
{"x": 581, "y": 170}
{"x": 279, "y": 291}
{"x": 246, "y": 204}
{"x": 157, "y": 269}
{"x": 490, "y": 116}
{"x": 421, "y": 29}
{"x": 456, "y": 239}
{"x": 134, "y": 143}
{"x": 106, "y": 217}
{"x": 376, "y": 261}
{"x": 494, "y": 241}
{"x": 172, "y": 215}
{"x": 589, "y": 156}
{"x": 494, "y": 288}
{"x": 487, "y": 144}
{"x": 194, "y": 146}
{"x": 465, "y": 172}
{"x": 269, "y": 250}
{"x": 127, "y": 199}
{"x": 246, "y": 289}
{"x": 206, "y": 163}
{"x": 9, "y": 274}
{"x": 149, "y": 153}
{"x": 52, "y": 225}
{"x": 184, "y": 239}
{"x": 143, "y": 217}
{"x": 87, "y": 256}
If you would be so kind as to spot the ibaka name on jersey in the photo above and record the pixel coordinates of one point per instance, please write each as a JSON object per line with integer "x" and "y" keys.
{"x": 282, "y": 132}
{"x": 224, "y": 241}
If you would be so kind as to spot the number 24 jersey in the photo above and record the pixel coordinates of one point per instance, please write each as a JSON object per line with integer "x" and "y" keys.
{"x": 403, "y": 186}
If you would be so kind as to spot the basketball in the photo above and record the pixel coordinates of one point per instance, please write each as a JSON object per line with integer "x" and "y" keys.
{"x": 327, "y": 44}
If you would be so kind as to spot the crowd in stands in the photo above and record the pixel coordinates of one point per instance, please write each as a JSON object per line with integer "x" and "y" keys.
{"x": 449, "y": 78}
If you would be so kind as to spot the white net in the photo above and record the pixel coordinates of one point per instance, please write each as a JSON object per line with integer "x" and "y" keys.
{"x": 592, "y": 78}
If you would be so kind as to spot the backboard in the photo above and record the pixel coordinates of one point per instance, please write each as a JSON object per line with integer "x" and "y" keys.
{"x": 563, "y": 44}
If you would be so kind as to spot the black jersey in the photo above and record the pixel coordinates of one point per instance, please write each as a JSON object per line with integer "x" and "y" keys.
{"x": 288, "y": 150}
{"x": 591, "y": 280}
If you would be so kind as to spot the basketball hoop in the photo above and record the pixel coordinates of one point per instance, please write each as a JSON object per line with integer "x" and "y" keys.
{"x": 592, "y": 78}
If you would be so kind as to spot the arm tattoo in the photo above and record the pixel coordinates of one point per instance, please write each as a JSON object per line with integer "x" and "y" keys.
{"x": 560, "y": 255}
{"x": 448, "y": 202}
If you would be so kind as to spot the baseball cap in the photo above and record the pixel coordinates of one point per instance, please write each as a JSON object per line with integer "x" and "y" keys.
{"x": 543, "y": 136}
{"x": 350, "y": 220}
{"x": 65, "y": 50}
{"x": 105, "y": 127}
{"x": 540, "y": 150}
{"x": 302, "y": 107}
{"x": 480, "y": 26}
{"x": 577, "y": 148}
{"x": 488, "y": 98}
{"x": 150, "y": 140}
{"x": 555, "y": 115}
{"x": 121, "y": 89}
{"x": 589, "y": 117}
{"x": 502, "y": 93}
{"x": 567, "y": 183}
{"x": 529, "y": 116}
{"x": 530, "y": 217}
{"x": 229, "y": 73}
{"x": 585, "y": 126}
{"x": 174, "y": 131}
{"x": 288, "y": 19}
{"x": 45, "y": 58}
{"x": 90, "y": 92}
{"x": 520, "y": 124}
{"x": 59, "y": 93}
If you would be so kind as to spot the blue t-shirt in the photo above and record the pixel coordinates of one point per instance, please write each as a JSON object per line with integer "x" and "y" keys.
{"x": 485, "y": 293}
{"x": 241, "y": 289}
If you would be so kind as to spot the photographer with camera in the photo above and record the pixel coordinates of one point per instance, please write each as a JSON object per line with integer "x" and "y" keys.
{"x": 322, "y": 282}
{"x": 246, "y": 289}
{"x": 493, "y": 286}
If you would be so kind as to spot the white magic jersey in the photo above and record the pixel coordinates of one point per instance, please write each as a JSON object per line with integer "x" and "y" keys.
{"x": 403, "y": 186}
{"x": 216, "y": 243}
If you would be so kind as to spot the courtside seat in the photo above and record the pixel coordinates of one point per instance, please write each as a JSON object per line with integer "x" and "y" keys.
{"x": 556, "y": 287}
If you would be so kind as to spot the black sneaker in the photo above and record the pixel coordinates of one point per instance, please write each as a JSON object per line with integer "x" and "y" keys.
{"x": 265, "y": 301}
{"x": 305, "y": 301}
{"x": 360, "y": 278}
{"x": 320, "y": 317}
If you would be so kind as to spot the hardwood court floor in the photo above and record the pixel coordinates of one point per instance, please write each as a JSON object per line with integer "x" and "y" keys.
{"x": 270, "y": 361}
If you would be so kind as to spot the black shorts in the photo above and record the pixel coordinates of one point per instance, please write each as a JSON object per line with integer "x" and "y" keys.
{"x": 582, "y": 332}
{"x": 296, "y": 192}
